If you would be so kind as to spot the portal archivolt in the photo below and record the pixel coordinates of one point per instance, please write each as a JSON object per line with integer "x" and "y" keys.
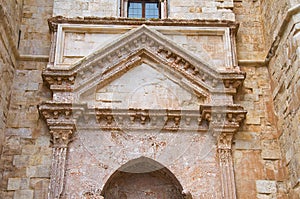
{"x": 142, "y": 178}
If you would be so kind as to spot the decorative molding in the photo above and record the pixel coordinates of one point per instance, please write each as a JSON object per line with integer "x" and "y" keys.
{"x": 67, "y": 117}
{"x": 256, "y": 63}
{"x": 40, "y": 58}
{"x": 54, "y": 21}
{"x": 223, "y": 118}
{"x": 61, "y": 137}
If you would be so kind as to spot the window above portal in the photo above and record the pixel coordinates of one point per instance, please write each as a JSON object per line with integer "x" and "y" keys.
{"x": 143, "y": 9}
{"x": 147, "y": 9}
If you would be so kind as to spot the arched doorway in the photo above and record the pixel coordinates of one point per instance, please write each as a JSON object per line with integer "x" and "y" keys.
{"x": 142, "y": 178}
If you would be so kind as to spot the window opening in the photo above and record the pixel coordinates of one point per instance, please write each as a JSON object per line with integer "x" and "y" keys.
{"x": 144, "y": 9}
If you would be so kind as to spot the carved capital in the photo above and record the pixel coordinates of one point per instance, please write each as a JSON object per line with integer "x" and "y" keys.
{"x": 225, "y": 140}
{"x": 61, "y": 137}
{"x": 224, "y": 148}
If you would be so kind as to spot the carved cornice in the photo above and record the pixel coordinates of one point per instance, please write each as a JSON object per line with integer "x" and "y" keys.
{"x": 63, "y": 117}
{"x": 132, "y": 49}
{"x": 137, "y": 119}
{"x": 54, "y": 21}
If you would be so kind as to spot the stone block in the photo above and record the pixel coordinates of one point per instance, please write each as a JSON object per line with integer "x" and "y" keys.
{"x": 43, "y": 141}
{"x": 253, "y": 118}
{"x": 29, "y": 149}
{"x": 265, "y": 196}
{"x": 40, "y": 188}
{"x": 18, "y": 183}
{"x": 247, "y": 144}
{"x": 38, "y": 171}
{"x": 23, "y": 194}
{"x": 46, "y": 160}
{"x": 270, "y": 150}
{"x": 13, "y": 184}
{"x": 266, "y": 186}
{"x": 22, "y": 132}
{"x": 21, "y": 160}
{"x": 31, "y": 86}
{"x": 247, "y": 140}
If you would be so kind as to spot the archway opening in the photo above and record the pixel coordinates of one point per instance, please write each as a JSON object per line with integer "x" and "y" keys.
{"x": 142, "y": 178}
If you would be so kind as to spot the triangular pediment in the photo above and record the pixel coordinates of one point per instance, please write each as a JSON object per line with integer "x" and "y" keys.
{"x": 146, "y": 45}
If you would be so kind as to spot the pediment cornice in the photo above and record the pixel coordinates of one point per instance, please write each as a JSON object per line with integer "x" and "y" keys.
{"x": 131, "y": 49}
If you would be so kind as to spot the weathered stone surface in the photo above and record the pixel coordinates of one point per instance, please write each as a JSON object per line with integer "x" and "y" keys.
{"x": 22, "y": 132}
{"x": 270, "y": 150}
{"x": 38, "y": 171}
{"x": 250, "y": 44}
{"x": 266, "y": 186}
{"x": 18, "y": 184}
{"x": 79, "y": 8}
{"x": 23, "y": 194}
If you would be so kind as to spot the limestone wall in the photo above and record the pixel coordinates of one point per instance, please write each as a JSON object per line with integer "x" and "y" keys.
{"x": 35, "y": 37}
{"x": 25, "y": 158}
{"x": 285, "y": 75}
{"x": 83, "y": 8}
{"x": 250, "y": 36}
{"x": 10, "y": 16}
{"x": 281, "y": 31}
{"x": 200, "y": 9}
{"x": 273, "y": 13}
{"x": 7, "y": 65}
{"x": 257, "y": 157}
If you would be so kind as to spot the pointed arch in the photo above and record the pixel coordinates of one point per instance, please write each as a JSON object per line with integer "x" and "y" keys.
{"x": 142, "y": 177}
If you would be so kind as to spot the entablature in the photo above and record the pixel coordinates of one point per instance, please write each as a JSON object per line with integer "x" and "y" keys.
{"x": 219, "y": 119}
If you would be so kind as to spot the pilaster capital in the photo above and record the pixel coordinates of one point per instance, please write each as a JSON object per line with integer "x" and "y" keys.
{"x": 61, "y": 137}
{"x": 224, "y": 141}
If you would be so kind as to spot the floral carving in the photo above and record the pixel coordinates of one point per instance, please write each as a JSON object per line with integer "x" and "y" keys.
{"x": 61, "y": 137}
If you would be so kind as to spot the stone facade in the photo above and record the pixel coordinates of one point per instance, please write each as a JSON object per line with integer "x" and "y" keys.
{"x": 203, "y": 103}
